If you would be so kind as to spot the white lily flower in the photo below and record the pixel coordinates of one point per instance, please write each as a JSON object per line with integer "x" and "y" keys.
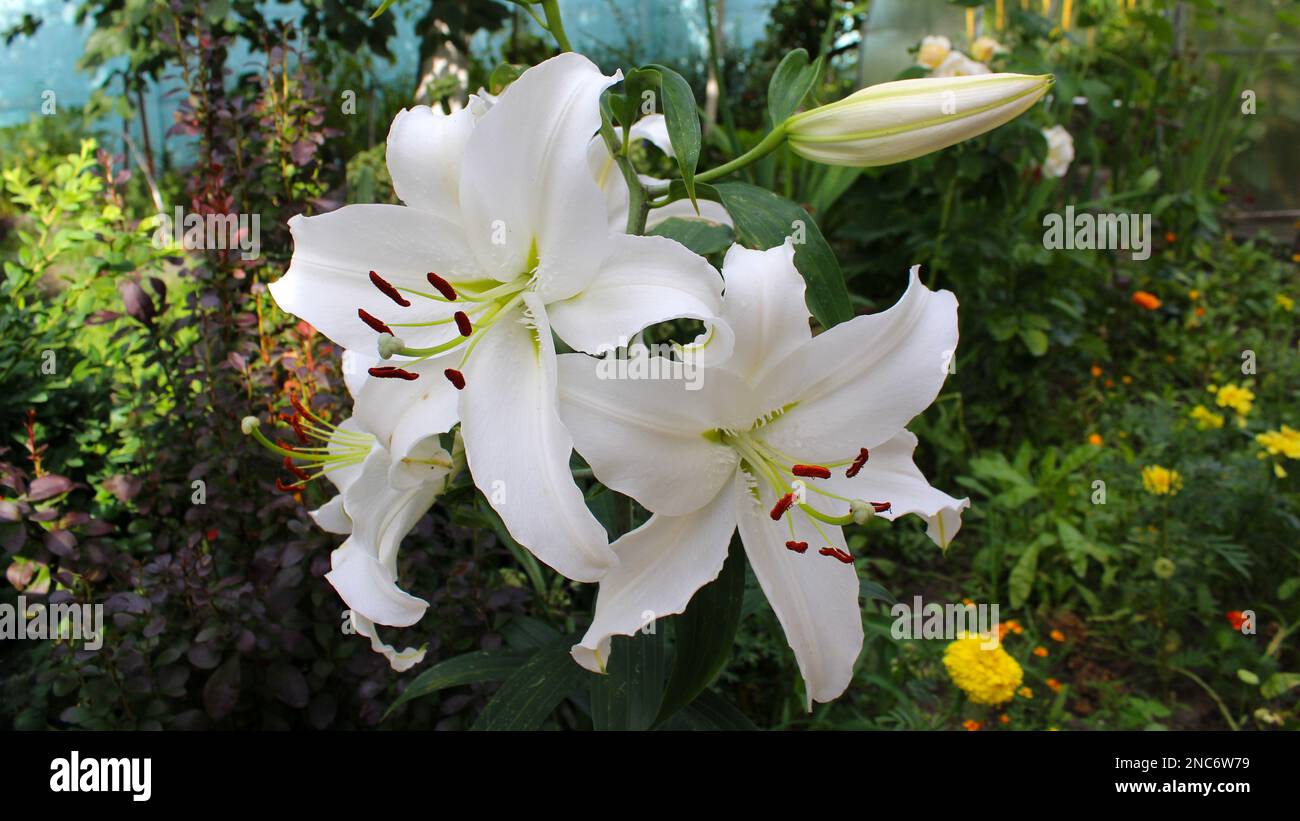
{"x": 383, "y": 492}
{"x": 900, "y": 120}
{"x": 503, "y": 238}
{"x": 934, "y": 49}
{"x": 957, "y": 64}
{"x": 1060, "y": 151}
{"x": 794, "y": 436}
{"x": 652, "y": 127}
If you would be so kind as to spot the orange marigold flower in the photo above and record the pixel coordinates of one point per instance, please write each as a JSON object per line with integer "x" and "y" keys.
{"x": 1004, "y": 719}
{"x": 1236, "y": 618}
{"x": 1095, "y": 440}
{"x": 1200, "y": 311}
{"x": 972, "y": 725}
{"x": 1025, "y": 692}
{"x": 1146, "y": 299}
{"x": 1096, "y": 371}
{"x": 1171, "y": 237}
{"x": 1040, "y": 651}
{"x": 1054, "y": 685}
{"x": 1014, "y": 626}
{"x": 1057, "y": 635}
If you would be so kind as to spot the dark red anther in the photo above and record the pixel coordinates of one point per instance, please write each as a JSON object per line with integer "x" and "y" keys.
{"x": 388, "y": 290}
{"x": 455, "y": 377}
{"x": 836, "y": 553}
{"x": 797, "y": 547}
{"x": 375, "y": 324}
{"x": 295, "y": 422}
{"x": 857, "y": 464}
{"x": 443, "y": 286}
{"x": 295, "y": 470}
{"x": 284, "y": 488}
{"x": 782, "y": 505}
{"x": 811, "y": 471}
{"x": 285, "y": 446}
{"x": 298, "y": 406}
{"x": 462, "y": 324}
{"x": 389, "y": 372}
{"x": 881, "y": 507}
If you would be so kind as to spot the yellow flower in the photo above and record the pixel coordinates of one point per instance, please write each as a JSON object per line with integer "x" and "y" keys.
{"x": 987, "y": 676}
{"x": 1025, "y": 692}
{"x": 1283, "y": 442}
{"x": 1239, "y": 398}
{"x": 1193, "y": 295}
{"x": 984, "y": 48}
{"x": 1284, "y": 302}
{"x": 1279, "y": 471}
{"x": 1206, "y": 419}
{"x": 1126, "y": 379}
{"x": 1161, "y": 481}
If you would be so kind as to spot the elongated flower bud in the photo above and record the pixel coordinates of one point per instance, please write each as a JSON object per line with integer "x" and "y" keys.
{"x": 905, "y": 119}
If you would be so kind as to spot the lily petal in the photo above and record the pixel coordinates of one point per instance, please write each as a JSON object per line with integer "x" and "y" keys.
{"x": 890, "y": 475}
{"x": 328, "y": 277}
{"x": 765, "y": 308}
{"x": 647, "y": 438}
{"x": 400, "y": 413}
{"x": 646, "y": 280}
{"x": 815, "y": 597}
{"x": 425, "y": 150}
{"x": 364, "y": 567}
{"x": 525, "y": 187}
{"x": 519, "y": 450}
{"x": 399, "y": 660}
{"x": 661, "y": 565}
{"x": 866, "y": 378}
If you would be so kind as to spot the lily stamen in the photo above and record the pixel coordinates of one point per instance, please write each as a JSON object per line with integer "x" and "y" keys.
{"x": 390, "y": 372}
{"x": 456, "y": 378}
{"x": 375, "y": 324}
{"x": 811, "y": 471}
{"x": 388, "y": 290}
{"x": 857, "y": 463}
{"x": 782, "y": 505}
{"x": 797, "y": 547}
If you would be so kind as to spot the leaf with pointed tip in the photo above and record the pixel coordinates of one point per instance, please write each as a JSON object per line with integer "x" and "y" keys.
{"x": 469, "y": 668}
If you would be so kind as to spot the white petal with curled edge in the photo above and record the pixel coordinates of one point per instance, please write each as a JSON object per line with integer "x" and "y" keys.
{"x": 890, "y": 475}
{"x": 864, "y": 379}
{"x": 333, "y": 254}
{"x": 648, "y": 438}
{"x": 815, "y": 597}
{"x": 364, "y": 567}
{"x": 330, "y": 517}
{"x": 399, "y": 660}
{"x": 645, "y": 281}
{"x": 518, "y": 449}
{"x": 356, "y": 369}
{"x": 425, "y": 150}
{"x": 661, "y": 565}
{"x": 764, "y": 305}
{"x": 526, "y": 185}
{"x": 401, "y": 413}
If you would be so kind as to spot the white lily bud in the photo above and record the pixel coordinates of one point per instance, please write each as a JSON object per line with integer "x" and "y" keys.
{"x": 905, "y": 119}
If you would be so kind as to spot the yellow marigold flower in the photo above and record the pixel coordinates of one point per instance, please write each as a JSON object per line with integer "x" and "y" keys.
{"x": 1054, "y": 685}
{"x": 1206, "y": 419}
{"x": 1126, "y": 379}
{"x": 1284, "y": 302}
{"x": 1237, "y": 397}
{"x": 1282, "y": 442}
{"x": 972, "y": 725}
{"x": 1095, "y": 440}
{"x": 1161, "y": 481}
{"x": 1279, "y": 471}
{"x": 1025, "y": 692}
{"x": 1040, "y": 651}
{"x": 987, "y": 676}
{"x": 1057, "y": 635}
{"x": 1193, "y": 295}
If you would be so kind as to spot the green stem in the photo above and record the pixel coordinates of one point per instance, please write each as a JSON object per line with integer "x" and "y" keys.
{"x": 555, "y": 25}
{"x": 715, "y": 65}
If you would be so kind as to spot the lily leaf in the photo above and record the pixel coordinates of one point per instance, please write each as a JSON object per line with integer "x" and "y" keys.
{"x": 794, "y": 77}
{"x": 534, "y": 690}
{"x": 469, "y": 668}
{"x": 627, "y": 697}
{"x": 683, "y": 121}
